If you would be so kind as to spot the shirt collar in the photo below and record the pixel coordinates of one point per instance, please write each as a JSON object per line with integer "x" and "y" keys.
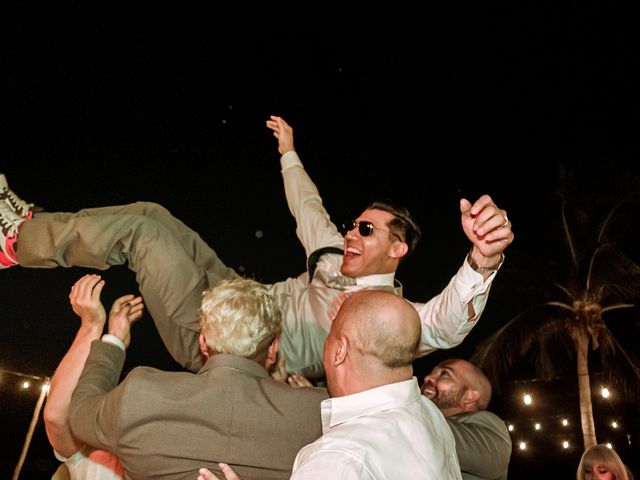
{"x": 338, "y": 410}
{"x": 376, "y": 280}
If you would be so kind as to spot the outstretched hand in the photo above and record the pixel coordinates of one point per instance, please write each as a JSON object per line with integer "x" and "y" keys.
{"x": 229, "y": 474}
{"x": 283, "y": 132}
{"x": 85, "y": 301}
{"x": 124, "y": 312}
{"x": 488, "y": 228}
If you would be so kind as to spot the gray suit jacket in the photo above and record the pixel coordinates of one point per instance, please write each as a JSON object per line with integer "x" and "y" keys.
{"x": 168, "y": 424}
{"x": 483, "y": 445}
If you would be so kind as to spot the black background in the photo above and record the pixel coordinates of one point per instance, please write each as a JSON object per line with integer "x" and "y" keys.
{"x": 136, "y": 101}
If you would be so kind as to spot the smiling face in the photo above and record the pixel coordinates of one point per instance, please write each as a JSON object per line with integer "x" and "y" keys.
{"x": 446, "y": 386}
{"x": 377, "y": 253}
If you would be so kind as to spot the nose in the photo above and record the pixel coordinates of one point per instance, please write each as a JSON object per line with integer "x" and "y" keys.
{"x": 352, "y": 234}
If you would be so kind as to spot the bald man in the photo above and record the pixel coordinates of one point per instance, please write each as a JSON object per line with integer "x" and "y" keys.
{"x": 462, "y": 392}
{"x": 376, "y": 423}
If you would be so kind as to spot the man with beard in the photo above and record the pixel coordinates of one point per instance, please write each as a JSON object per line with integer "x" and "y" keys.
{"x": 462, "y": 393}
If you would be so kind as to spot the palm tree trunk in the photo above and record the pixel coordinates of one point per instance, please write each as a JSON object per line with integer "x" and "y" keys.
{"x": 584, "y": 389}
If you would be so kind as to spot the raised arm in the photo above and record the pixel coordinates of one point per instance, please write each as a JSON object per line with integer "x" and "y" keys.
{"x": 100, "y": 375}
{"x": 314, "y": 227}
{"x": 85, "y": 301}
{"x": 449, "y": 316}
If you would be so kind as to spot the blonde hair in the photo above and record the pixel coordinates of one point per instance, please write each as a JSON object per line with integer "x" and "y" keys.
{"x": 237, "y": 315}
{"x": 601, "y": 454}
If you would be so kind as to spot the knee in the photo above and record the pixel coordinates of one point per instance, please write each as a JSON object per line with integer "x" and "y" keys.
{"x": 152, "y": 210}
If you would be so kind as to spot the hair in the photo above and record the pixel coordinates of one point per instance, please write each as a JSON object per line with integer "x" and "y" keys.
{"x": 402, "y": 225}
{"x": 601, "y": 454}
{"x": 237, "y": 316}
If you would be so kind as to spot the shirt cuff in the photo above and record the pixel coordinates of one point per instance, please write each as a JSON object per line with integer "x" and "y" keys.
{"x": 290, "y": 159}
{"x": 113, "y": 340}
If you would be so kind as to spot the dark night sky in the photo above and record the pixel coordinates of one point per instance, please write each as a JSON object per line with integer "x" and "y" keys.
{"x": 120, "y": 103}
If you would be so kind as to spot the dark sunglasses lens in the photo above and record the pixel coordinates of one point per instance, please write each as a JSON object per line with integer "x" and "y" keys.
{"x": 365, "y": 228}
{"x": 348, "y": 226}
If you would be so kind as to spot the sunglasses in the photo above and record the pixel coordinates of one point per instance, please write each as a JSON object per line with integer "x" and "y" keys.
{"x": 365, "y": 228}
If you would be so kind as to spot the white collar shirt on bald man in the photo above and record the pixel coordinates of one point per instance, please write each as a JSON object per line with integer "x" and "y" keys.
{"x": 382, "y": 433}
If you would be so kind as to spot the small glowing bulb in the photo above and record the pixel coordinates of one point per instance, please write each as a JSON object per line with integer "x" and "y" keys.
{"x": 565, "y": 444}
{"x": 605, "y": 392}
{"x": 614, "y": 424}
{"x": 511, "y": 427}
{"x": 527, "y": 399}
{"x": 609, "y": 445}
{"x": 565, "y": 422}
{"x": 538, "y": 426}
{"x": 523, "y": 445}
{"x": 25, "y": 385}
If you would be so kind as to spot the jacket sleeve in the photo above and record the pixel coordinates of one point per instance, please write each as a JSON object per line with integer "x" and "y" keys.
{"x": 483, "y": 444}
{"x": 95, "y": 410}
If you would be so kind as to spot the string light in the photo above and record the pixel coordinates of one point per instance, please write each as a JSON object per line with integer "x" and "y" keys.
{"x": 26, "y": 380}
{"x": 571, "y": 440}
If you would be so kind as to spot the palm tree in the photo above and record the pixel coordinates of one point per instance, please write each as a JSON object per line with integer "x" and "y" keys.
{"x": 601, "y": 279}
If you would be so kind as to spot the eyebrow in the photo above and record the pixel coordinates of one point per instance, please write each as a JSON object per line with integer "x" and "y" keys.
{"x": 447, "y": 368}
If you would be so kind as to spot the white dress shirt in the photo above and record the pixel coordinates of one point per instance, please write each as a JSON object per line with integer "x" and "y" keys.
{"x": 309, "y": 305}
{"x": 387, "y": 432}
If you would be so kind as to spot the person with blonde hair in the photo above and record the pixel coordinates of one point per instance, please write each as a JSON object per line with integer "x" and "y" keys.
{"x": 167, "y": 424}
{"x": 599, "y": 462}
{"x": 376, "y": 423}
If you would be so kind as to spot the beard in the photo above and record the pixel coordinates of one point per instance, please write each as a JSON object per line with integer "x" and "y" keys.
{"x": 447, "y": 400}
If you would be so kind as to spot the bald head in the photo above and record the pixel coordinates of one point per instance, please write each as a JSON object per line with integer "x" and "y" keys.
{"x": 372, "y": 342}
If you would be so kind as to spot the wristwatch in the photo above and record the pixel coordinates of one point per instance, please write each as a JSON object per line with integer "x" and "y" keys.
{"x": 483, "y": 270}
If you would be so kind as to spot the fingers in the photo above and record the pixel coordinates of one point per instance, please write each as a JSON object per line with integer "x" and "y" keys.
{"x": 298, "y": 381}
{"x": 133, "y": 307}
{"x": 205, "y": 474}
{"x": 488, "y": 218}
{"x": 229, "y": 474}
{"x": 85, "y": 285}
{"x": 465, "y": 207}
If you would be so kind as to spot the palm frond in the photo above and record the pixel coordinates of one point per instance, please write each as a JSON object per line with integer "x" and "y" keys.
{"x": 568, "y": 235}
{"x": 531, "y": 336}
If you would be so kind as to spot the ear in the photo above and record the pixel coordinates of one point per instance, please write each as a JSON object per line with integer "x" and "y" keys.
{"x": 342, "y": 348}
{"x": 272, "y": 351}
{"x": 203, "y": 346}
{"x": 399, "y": 249}
{"x": 471, "y": 397}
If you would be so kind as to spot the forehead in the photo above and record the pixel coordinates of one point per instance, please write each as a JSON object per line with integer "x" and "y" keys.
{"x": 456, "y": 368}
{"x": 377, "y": 217}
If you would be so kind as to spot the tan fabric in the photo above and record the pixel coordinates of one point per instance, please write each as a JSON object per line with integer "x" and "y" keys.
{"x": 61, "y": 473}
{"x": 172, "y": 423}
